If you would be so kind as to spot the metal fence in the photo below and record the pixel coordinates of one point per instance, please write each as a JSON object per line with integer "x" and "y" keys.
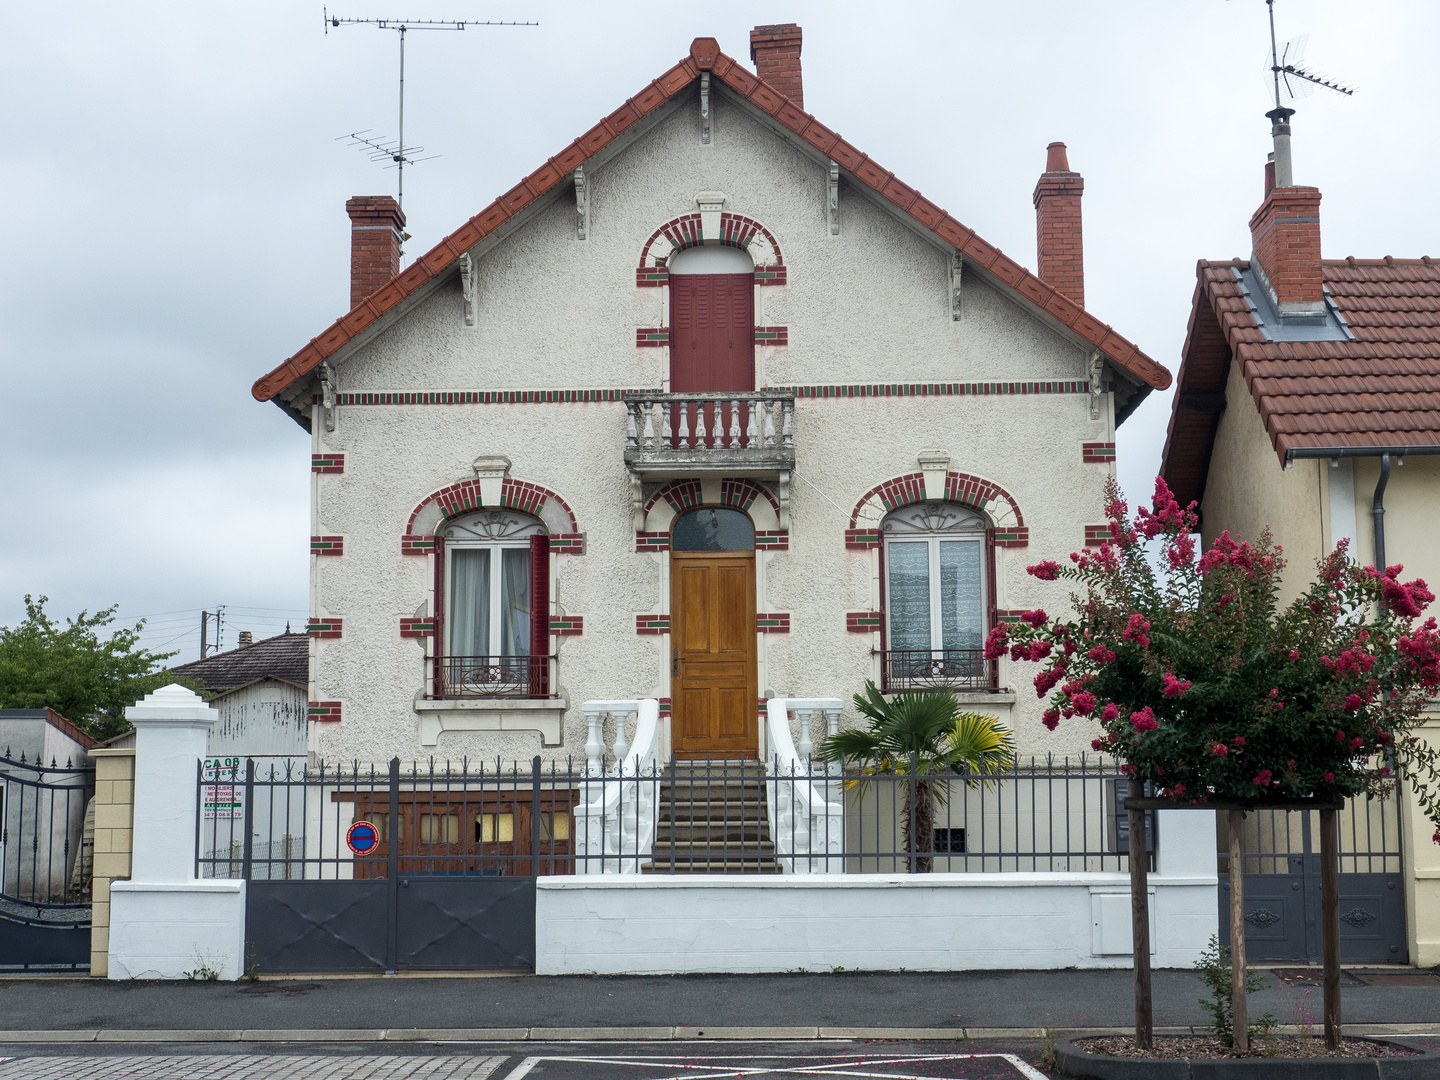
{"x": 46, "y": 850}
{"x": 288, "y": 821}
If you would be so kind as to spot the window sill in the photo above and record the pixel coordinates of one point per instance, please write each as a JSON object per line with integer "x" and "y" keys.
{"x": 545, "y": 716}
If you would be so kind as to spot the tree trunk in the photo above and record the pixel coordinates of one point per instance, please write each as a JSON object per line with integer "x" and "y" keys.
{"x": 919, "y": 823}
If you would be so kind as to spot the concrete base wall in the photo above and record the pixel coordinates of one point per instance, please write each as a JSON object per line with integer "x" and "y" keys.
{"x": 166, "y": 931}
{"x": 868, "y": 922}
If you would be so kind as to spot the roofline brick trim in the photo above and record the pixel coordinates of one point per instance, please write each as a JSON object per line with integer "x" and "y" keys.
{"x": 461, "y": 498}
{"x": 706, "y": 56}
{"x": 973, "y": 491}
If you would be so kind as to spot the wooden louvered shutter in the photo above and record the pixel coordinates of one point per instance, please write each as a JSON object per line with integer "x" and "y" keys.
{"x": 539, "y": 616}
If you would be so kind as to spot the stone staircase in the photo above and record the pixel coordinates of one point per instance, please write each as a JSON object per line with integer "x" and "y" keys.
{"x": 711, "y": 819}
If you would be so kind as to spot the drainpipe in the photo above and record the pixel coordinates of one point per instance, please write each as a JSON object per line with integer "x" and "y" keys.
{"x": 1377, "y": 511}
{"x": 1384, "y": 453}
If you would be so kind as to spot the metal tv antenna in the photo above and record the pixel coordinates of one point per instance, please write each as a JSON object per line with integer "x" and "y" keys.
{"x": 1290, "y": 81}
{"x": 398, "y": 153}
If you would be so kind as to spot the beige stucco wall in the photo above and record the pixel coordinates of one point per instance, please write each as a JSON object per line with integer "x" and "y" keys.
{"x": 869, "y": 305}
{"x": 114, "y": 820}
{"x": 1247, "y": 491}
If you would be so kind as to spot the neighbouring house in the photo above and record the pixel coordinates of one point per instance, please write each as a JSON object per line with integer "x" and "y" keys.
{"x": 259, "y": 690}
{"x": 710, "y": 407}
{"x": 1308, "y": 402}
{"x": 43, "y": 736}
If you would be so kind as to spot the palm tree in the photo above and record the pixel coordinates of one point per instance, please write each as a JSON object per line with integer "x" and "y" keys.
{"x": 923, "y": 735}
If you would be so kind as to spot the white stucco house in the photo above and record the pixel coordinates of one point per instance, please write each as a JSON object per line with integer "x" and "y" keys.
{"x": 709, "y": 408}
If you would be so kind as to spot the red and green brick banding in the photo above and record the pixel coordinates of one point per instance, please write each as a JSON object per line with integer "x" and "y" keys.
{"x": 1095, "y": 535}
{"x": 324, "y": 711}
{"x": 417, "y": 545}
{"x": 652, "y": 624}
{"x": 652, "y": 337}
{"x": 327, "y": 545}
{"x": 772, "y": 335}
{"x": 772, "y": 622}
{"x": 325, "y": 628}
{"x": 1097, "y": 453}
{"x": 567, "y": 625}
{"x": 423, "y": 627}
{"x": 652, "y": 541}
{"x": 327, "y": 463}
{"x": 862, "y": 622}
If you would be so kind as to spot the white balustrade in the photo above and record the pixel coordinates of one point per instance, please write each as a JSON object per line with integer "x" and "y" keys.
{"x": 696, "y": 423}
{"x": 615, "y": 823}
{"x": 805, "y": 805}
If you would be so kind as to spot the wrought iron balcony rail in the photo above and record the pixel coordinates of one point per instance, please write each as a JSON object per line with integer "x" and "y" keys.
{"x": 930, "y": 669}
{"x": 490, "y": 676}
{"x": 752, "y": 430}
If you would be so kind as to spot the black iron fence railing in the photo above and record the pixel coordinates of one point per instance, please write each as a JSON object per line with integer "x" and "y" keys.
{"x": 46, "y": 856}
{"x": 291, "y": 821}
{"x": 491, "y": 676}
{"x": 929, "y": 669}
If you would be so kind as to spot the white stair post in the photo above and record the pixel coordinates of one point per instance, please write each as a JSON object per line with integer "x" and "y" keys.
{"x": 164, "y": 923}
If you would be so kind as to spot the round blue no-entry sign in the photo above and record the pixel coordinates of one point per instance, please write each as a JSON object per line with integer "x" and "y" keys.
{"x": 362, "y": 837}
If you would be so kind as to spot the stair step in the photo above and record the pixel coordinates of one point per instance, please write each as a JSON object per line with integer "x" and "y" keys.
{"x": 711, "y": 866}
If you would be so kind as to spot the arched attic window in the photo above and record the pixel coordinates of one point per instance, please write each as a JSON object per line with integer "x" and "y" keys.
{"x": 938, "y": 566}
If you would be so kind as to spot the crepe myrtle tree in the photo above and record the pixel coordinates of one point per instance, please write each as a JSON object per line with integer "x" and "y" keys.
{"x": 1206, "y": 688}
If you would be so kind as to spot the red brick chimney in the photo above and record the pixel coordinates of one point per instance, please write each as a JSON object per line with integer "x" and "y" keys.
{"x": 1058, "y": 240}
{"x": 1285, "y": 241}
{"x": 776, "y": 53}
{"x": 377, "y": 227}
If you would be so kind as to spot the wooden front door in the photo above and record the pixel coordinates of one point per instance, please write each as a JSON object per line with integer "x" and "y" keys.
{"x": 713, "y": 681}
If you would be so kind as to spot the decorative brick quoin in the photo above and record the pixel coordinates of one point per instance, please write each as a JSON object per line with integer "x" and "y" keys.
{"x": 423, "y": 627}
{"x": 772, "y": 540}
{"x": 862, "y": 622}
{"x": 324, "y": 628}
{"x": 651, "y": 337}
{"x": 417, "y": 545}
{"x": 567, "y": 625}
{"x": 652, "y": 624}
{"x": 1097, "y": 453}
{"x": 327, "y": 463}
{"x": 652, "y": 541}
{"x": 327, "y": 545}
{"x": 324, "y": 711}
{"x": 1095, "y": 535}
{"x": 772, "y": 622}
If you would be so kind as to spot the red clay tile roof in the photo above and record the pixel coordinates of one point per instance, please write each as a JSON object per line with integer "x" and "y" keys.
{"x": 285, "y": 657}
{"x": 1381, "y": 389}
{"x": 705, "y": 55}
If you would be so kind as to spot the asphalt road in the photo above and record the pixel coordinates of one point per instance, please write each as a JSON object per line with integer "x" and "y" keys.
{"x": 990, "y": 999}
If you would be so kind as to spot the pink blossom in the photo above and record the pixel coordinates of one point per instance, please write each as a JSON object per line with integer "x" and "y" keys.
{"x": 1137, "y": 629}
{"x": 1110, "y": 712}
{"x": 1356, "y": 743}
{"x": 1294, "y": 654}
{"x": 1262, "y": 778}
{"x": 1096, "y": 744}
{"x": 1144, "y": 720}
{"x": 1036, "y": 618}
{"x": 1084, "y": 702}
{"x": 1329, "y": 778}
{"x": 1436, "y": 837}
{"x": 1353, "y": 703}
{"x": 1051, "y": 719}
{"x": 1046, "y": 680}
{"x": 1101, "y": 655}
{"x": 1181, "y": 553}
{"x": 1239, "y": 740}
{"x": 1340, "y": 736}
{"x": 995, "y": 643}
{"x": 1048, "y": 570}
{"x": 1219, "y": 749}
{"x": 1174, "y": 687}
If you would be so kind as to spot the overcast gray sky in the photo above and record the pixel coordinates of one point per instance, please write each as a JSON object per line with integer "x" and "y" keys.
{"x": 177, "y": 221}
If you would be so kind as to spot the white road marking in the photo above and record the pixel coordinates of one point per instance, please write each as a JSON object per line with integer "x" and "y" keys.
{"x": 851, "y": 1067}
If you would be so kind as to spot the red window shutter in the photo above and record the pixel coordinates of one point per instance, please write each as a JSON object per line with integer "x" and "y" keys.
{"x": 438, "y": 641}
{"x": 712, "y": 332}
{"x": 540, "y": 616}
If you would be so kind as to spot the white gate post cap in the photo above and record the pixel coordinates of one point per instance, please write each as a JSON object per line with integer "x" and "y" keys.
{"x": 172, "y": 704}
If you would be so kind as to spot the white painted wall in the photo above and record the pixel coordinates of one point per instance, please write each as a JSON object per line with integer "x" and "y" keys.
{"x": 163, "y": 923}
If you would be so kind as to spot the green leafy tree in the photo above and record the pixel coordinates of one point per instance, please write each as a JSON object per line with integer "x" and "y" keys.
{"x": 73, "y": 670}
{"x": 923, "y": 735}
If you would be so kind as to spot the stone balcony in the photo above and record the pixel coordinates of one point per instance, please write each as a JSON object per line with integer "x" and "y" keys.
{"x": 737, "y": 433}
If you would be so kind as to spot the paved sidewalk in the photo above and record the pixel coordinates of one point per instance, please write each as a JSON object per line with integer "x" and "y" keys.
{"x": 987, "y": 1003}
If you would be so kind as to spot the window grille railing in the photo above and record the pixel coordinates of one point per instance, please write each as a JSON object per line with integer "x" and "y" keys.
{"x": 931, "y": 669}
{"x": 531, "y": 676}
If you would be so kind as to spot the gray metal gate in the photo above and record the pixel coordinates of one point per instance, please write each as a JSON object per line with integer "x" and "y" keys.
{"x": 448, "y": 885}
{"x": 1282, "y": 885}
{"x": 46, "y": 863}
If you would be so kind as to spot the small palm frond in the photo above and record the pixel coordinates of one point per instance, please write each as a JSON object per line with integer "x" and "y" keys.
{"x": 976, "y": 743}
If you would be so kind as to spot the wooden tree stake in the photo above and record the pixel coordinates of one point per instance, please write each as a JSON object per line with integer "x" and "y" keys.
{"x": 1239, "y": 1010}
{"x": 1140, "y": 920}
{"x": 1330, "y": 922}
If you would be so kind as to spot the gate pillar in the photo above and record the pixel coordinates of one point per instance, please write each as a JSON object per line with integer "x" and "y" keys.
{"x": 164, "y": 923}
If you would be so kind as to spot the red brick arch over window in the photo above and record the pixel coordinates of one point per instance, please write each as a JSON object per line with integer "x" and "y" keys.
{"x": 519, "y": 495}
{"x": 735, "y": 231}
{"x": 1009, "y": 528}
